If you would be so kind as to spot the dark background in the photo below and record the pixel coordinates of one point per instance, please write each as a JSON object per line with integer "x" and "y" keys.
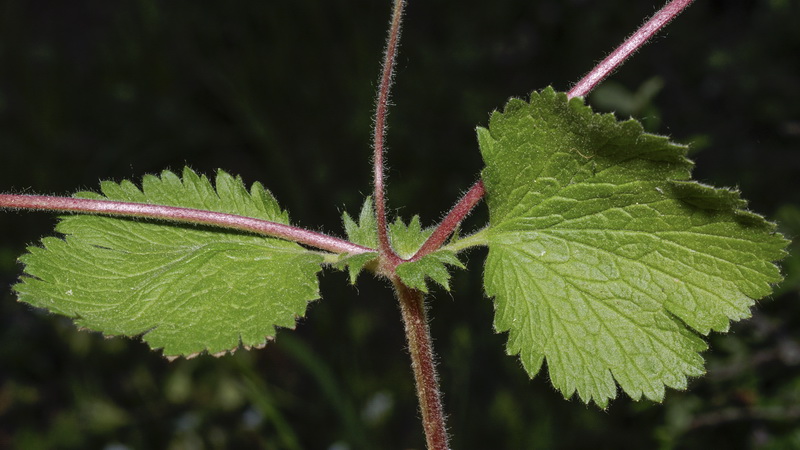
{"x": 282, "y": 92}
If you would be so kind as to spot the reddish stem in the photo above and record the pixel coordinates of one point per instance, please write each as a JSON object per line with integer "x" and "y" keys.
{"x": 183, "y": 215}
{"x": 411, "y": 301}
{"x": 381, "y": 109}
{"x": 582, "y": 88}
{"x": 628, "y": 48}
{"x": 460, "y": 211}
{"x": 412, "y": 307}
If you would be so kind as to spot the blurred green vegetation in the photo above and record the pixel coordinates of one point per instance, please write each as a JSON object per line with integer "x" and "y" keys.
{"x": 282, "y": 92}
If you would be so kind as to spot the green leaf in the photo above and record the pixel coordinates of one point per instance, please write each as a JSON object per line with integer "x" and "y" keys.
{"x": 356, "y": 263}
{"x": 187, "y": 289}
{"x": 365, "y": 232}
{"x": 407, "y": 239}
{"x": 414, "y": 273}
{"x": 605, "y": 259}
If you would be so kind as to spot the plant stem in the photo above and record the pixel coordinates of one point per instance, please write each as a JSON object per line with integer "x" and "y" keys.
{"x": 412, "y": 303}
{"x": 581, "y": 88}
{"x": 479, "y": 238}
{"x": 412, "y": 307}
{"x": 381, "y": 109}
{"x": 182, "y": 215}
{"x": 628, "y": 48}
{"x": 452, "y": 220}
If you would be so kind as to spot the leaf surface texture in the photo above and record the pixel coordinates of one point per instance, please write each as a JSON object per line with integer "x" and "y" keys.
{"x": 605, "y": 259}
{"x": 185, "y": 288}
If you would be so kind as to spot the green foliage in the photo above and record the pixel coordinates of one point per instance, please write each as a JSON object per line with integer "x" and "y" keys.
{"x": 187, "y": 289}
{"x": 356, "y": 263}
{"x": 432, "y": 266}
{"x": 147, "y": 95}
{"x": 406, "y": 239}
{"x": 604, "y": 258}
{"x": 364, "y": 233}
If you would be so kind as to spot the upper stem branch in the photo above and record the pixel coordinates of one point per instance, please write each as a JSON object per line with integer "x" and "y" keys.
{"x": 582, "y": 88}
{"x": 380, "y": 129}
{"x": 452, "y": 220}
{"x": 184, "y": 215}
{"x": 628, "y": 48}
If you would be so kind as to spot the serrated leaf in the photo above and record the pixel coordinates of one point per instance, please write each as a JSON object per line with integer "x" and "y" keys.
{"x": 365, "y": 232}
{"x": 187, "y": 289}
{"x": 605, "y": 259}
{"x": 356, "y": 263}
{"x": 432, "y": 266}
{"x": 407, "y": 239}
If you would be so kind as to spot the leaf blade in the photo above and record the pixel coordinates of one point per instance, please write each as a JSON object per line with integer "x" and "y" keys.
{"x": 432, "y": 266}
{"x": 593, "y": 221}
{"x": 188, "y": 289}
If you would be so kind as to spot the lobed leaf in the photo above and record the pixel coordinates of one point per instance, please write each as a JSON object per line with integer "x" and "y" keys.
{"x": 365, "y": 233}
{"x": 431, "y": 266}
{"x": 356, "y": 263}
{"x": 605, "y": 259}
{"x": 408, "y": 238}
{"x": 186, "y": 289}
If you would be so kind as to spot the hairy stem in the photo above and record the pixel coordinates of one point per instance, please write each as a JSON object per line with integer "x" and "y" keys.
{"x": 411, "y": 301}
{"x": 477, "y": 239}
{"x": 452, "y": 220}
{"x": 581, "y": 88}
{"x": 628, "y": 48}
{"x": 182, "y": 215}
{"x": 412, "y": 307}
{"x": 380, "y": 128}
